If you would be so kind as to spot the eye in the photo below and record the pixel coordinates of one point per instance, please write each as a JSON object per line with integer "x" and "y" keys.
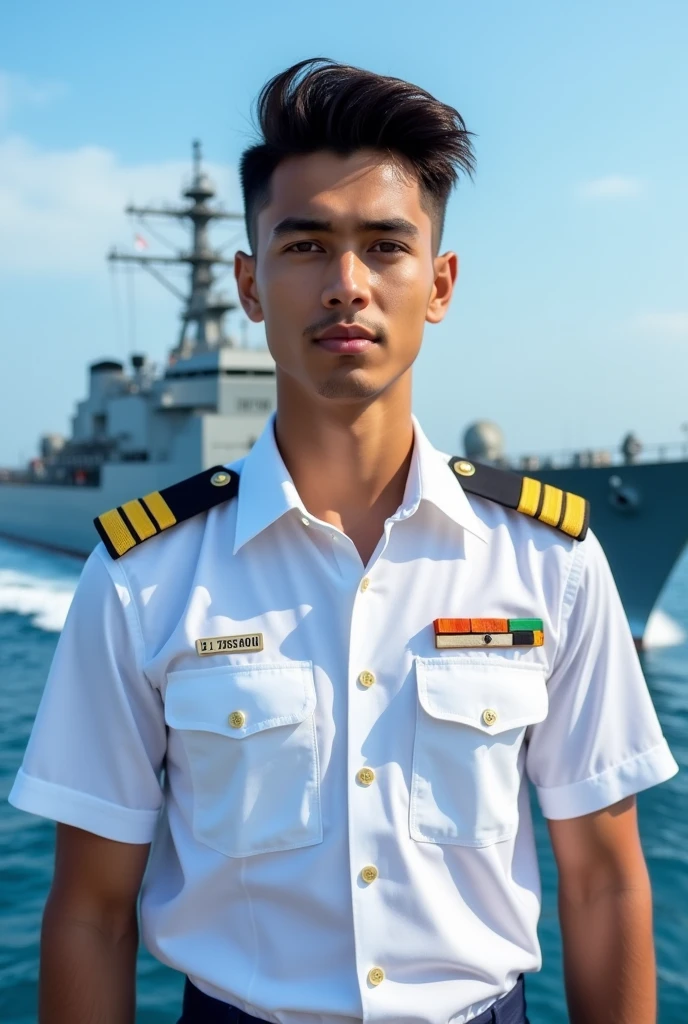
{"x": 395, "y": 247}
{"x": 295, "y": 247}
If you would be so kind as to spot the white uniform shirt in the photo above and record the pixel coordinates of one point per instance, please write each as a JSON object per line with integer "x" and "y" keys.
{"x": 255, "y": 886}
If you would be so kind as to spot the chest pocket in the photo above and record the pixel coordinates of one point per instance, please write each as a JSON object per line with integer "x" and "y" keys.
{"x": 248, "y": 736}
{"x": 468, "y": 755}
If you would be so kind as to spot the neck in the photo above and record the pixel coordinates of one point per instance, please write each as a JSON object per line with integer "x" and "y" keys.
{"x": 349, "y": 462}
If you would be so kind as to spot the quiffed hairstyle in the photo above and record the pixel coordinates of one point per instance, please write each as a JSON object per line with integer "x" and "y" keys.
{"x": 319, "y": 104}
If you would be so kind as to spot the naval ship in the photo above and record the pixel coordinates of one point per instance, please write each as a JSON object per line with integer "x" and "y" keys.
{"x": 141, "y": 428}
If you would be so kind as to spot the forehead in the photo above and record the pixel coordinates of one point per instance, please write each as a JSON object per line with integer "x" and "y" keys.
{"x": 363, "y": 186}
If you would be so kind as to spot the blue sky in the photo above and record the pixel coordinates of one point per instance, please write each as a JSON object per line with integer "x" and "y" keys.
{"x": 570, "y": 322}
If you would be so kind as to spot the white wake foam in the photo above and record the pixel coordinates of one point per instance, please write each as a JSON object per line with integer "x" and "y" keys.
{"x": 662, "y": 631}
{"x": 45, "y": 601}
{"x": 37, "y": 584}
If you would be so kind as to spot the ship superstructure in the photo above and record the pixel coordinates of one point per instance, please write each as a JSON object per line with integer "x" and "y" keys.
{"x": 140, "y": 427}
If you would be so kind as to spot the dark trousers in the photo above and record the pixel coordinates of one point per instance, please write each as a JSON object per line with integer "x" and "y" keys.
{"x": 201, "y": 1009}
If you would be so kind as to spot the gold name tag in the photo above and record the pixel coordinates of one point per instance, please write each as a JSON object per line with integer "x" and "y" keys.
{"x": 225, "y": 644}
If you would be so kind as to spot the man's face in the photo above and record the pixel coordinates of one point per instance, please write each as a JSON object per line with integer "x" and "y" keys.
{"x": 344, "y": 241}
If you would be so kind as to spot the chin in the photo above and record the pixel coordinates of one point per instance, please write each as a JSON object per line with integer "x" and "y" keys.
{"x": 354, "y": 387}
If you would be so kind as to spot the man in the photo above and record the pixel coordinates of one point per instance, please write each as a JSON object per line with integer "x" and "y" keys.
{"x": 348, "y": 655}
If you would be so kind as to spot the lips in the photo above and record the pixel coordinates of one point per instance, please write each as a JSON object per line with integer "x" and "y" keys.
{"x": 346, "y": 339}
{"x": 345, "y": 346}
{"x": 346, "y": 331}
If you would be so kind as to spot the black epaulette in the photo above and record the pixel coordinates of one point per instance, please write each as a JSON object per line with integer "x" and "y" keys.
{"x": 128, "y": 525}
{"x": 561, "y": 509}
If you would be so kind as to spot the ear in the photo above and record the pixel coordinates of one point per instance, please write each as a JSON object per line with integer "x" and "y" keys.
{"x": 245, "y": 276}
{"x": 446, "y": 273}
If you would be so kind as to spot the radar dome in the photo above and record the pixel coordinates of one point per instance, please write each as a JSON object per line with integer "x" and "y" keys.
{"x": 484, "y": 442}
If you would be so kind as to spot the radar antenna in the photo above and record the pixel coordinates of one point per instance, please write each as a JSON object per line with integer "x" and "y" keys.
{"x": 204, "y": 308}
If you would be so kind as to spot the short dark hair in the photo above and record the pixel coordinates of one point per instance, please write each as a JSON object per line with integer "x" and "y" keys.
{"x": 320, "y": 104}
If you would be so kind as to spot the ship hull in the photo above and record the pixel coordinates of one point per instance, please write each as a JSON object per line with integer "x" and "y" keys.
{"x": 640, "y": 515}
{"x": 61, "y": 518}
{"x": 640, "y": 518}
{"x": 56, "y": 518}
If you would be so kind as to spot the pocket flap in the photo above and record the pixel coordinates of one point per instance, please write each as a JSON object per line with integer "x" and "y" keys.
{"x": 265, "y": 695}
{"x": 489, "y": 695}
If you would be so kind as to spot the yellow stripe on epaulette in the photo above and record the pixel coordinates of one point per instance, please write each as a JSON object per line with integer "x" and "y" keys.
{"x": 160, "y": 510}
{"x": 123, "y": 528}
{"x": 575, "y": 519}
{"x": 530, "y": 496}
{"x": 139, "y": 519}
{"x": 561, "y": 509}
{"x": 117, "y": 531}
{"x": 566, "y": 511}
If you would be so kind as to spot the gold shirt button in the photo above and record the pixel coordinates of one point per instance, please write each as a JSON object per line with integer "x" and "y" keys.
{"x": 369, "y": 873}
{"x": 376, "y": 975}
{"x": 489, "y": 716}
{"x": 237, "y": 719}
{"x": 365, "y": 583}
{"x": 366, "y": 776}
{"x": 366, "y": 678}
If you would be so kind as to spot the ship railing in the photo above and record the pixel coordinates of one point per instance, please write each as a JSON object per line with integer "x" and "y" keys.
{"x": 582, "y": 458}
{"x": 87, "y": 477}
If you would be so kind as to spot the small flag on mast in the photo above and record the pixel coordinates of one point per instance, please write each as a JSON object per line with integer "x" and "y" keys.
{"x": 140, "y": 243}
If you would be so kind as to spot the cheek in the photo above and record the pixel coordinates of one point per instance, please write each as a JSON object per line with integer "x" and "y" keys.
{"x": 274, "y": 287}
{"x": 406, "y": 298}
{"x": 283, "y": 301}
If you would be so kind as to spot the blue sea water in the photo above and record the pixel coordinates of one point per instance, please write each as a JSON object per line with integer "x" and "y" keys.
{"x": 35, "y": 591}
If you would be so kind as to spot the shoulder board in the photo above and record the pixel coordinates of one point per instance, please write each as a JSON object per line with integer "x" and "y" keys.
{"x": 565, "y": 511}
{"x": 128, "y": 525}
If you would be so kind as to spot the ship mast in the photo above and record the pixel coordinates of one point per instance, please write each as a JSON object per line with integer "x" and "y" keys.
{"x": 203, "y": 309}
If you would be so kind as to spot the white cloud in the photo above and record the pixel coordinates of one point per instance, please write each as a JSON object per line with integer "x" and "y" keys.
{"x": 61, "y": 211}
{"x": 662, "y": 326}
{"x": 17, "y": 91}
{"x": 614, "y": 186}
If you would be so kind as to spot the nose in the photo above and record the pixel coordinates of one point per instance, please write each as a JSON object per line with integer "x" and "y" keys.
{"x": 348, "y": 283}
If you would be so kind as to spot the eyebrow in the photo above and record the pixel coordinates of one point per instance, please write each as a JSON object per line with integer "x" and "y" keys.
{"x": 398, "y": 225}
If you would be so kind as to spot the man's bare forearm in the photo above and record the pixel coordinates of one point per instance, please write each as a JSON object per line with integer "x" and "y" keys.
{"x": 88, "y": 969}
{"x": 609, "y": 960}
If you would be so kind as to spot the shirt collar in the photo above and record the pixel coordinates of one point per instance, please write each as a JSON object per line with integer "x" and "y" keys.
{"x": 267, "y": 491}
{"x": 434, "y": 482}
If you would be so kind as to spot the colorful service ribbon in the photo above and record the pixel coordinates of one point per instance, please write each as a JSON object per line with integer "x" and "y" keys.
{"x": 488, "y": 633}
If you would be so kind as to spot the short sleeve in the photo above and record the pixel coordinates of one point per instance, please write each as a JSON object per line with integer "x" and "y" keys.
{"x": 601, "y": 740}
{"x": 95, "y": 753}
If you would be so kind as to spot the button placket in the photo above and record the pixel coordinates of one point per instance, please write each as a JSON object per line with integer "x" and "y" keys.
{"x": 366, "y": 699}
